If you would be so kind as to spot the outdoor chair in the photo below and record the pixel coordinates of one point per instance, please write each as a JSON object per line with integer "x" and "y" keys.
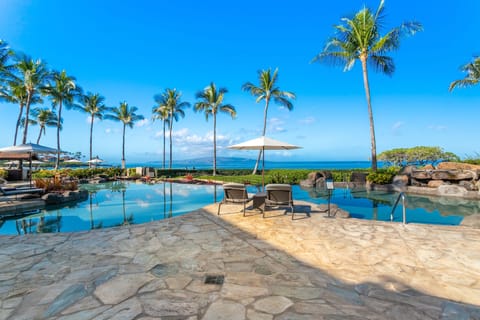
{"x": 279, "y": 195}
{"x": 234, "y": 193}
{"x": 4, "y": 191}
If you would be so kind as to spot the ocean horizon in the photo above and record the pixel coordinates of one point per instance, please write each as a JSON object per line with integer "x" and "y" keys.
{"x": 250, "y": 163}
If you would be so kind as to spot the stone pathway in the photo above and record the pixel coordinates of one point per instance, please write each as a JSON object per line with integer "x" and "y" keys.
{"x": 273, "y": 268}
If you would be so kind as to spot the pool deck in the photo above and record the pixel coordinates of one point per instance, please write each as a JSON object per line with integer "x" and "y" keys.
{"x": 274, "y": 268}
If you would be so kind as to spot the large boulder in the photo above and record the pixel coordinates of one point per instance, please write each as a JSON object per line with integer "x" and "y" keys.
{"x": 457, "y": 166}
{"x": 453, "y": 175}
{"x": 452, "y": 190}
{"x": 435, "y": 183}
{"x": 316, "y": 178}
{"x": 63, "y": 197}
{"x": 401, "y": 180}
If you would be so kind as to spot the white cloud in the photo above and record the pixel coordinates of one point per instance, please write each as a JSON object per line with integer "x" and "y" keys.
{"x": 396, "y": 128}
{"x": 142, "y": 123}
{"x": 275, "y": 125}
{"x": 397, "y": 125}
{"x": 437, "y": 127}
{"x": 108, "y": 130}
{"x": 307, "y": 120}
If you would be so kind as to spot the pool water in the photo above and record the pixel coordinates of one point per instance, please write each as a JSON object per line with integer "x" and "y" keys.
{"x": 377, "y": 205}
{"x": 123, "y": 203}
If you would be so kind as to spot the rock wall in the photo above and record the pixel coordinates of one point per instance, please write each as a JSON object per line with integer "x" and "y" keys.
{"x": 447, "y": 179}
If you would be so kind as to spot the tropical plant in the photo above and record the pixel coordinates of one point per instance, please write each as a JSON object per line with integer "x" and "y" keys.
{"x": 93, "y": 104}
{"x": 267, "y": 90}
{"x": 160, "y": 112}
{"x": 170, "y": 99}
{"x": 212, "y": 103}
{"x": 5, "y": 67}
{"x": 63, "y": 91}
{"x": 32, "y": 75}
{"x": 43, "y": 117}
{"x": 473, "y": 75}
{"x": 419, "y": 155}
{"x": 359, "y": 38}
{"x": 125, "y": 114}
{"x": 15, "y": 92}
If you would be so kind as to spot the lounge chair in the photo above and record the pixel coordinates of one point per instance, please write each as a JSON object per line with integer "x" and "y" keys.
{"x": 279, "y": 195}
{"x": 4, "y": 191}
{"x": 234, "y": 193}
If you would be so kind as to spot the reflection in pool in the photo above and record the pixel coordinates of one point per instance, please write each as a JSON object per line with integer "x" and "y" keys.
{"x": 116, "y": 204}
{"x": 124, "y": 203}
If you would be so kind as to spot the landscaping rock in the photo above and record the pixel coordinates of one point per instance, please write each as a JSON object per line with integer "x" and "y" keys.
{"x": 457, "y": 166}
{"x": 435, "y": 183}
{"x": 452, "y": 190}
{"x": 401, "y": 180}
{"x": 63, "y": 197}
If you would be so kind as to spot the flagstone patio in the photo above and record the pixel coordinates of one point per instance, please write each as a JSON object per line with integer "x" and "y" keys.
{"x": 274, "y": 268}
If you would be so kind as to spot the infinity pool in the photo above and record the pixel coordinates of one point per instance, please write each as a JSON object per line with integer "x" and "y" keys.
{"x": 123, "y": 203}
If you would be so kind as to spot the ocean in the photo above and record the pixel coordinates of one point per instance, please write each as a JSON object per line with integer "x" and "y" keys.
{"x": 240, "y": 163}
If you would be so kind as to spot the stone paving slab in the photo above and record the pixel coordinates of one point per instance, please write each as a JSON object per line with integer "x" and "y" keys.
{"x": 274, "y": 268}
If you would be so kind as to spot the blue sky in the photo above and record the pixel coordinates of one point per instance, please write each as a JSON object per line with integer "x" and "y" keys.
{"x": 132, "y": 50}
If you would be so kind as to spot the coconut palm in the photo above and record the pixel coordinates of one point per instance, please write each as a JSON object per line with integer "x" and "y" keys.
{"x": 359, "y": 38}
{"x": 170, "y": 99}
{"x": 63, "y": 91}
{"x": 43, "y": 117}
{"x": 5, "y": 67}
{"x": 92, "y": 104}
{"x": 15, "y": 92}
{"x": 32, "y": 75}
{"x": 473, "y": 75}
{"x": 161, "y": 113}
{"x": 268, "y": 90}
{"x": 125, "y": 114}
{"x": 211, "y": 103}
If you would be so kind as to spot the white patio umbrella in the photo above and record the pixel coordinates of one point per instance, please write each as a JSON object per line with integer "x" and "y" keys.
{"x": 263, "y": 143}
{"x": 30, "y": 148}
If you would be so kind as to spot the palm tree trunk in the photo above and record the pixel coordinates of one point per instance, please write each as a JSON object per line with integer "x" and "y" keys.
{"x": 267, "y": 101}
{"x": 19, "y": 120}
{"x": 163, "y": 163}
{"x": 363, "y": 59}
{"x": 214, "y": 144}
{"x": 42, "y": 128}
{"x": 171, "y": 127}
{"x": 57, "y": 161}
{"x": 123, "y": 147}
{"x": 91, "y": 141}
{"x": 27, "y": 113}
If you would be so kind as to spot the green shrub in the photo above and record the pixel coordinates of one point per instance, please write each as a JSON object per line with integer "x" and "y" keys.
{"x": 287, "y": 176}
{"x": 383, "y": 176}
{"x": 3, "y": 173}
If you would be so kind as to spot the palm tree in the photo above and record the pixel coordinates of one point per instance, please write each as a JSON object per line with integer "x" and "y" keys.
{"x": 43, "y": 117}
{"x": 92, "y": 104}
{"x": 211, "y": 104}
{"x": 161, "y": 112}
{"x": 33, "y": 76}
{"x": 267, "y": 90}
{"x": 170, "y": 99}
{"x": 359, "y": 38}
{"x": 473, "y": 75}
{"x": 15, "y": 92}
{"x": 5, "y": 67}
{"x": 125, "y": 114}
{"x": 63, "y": 91}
